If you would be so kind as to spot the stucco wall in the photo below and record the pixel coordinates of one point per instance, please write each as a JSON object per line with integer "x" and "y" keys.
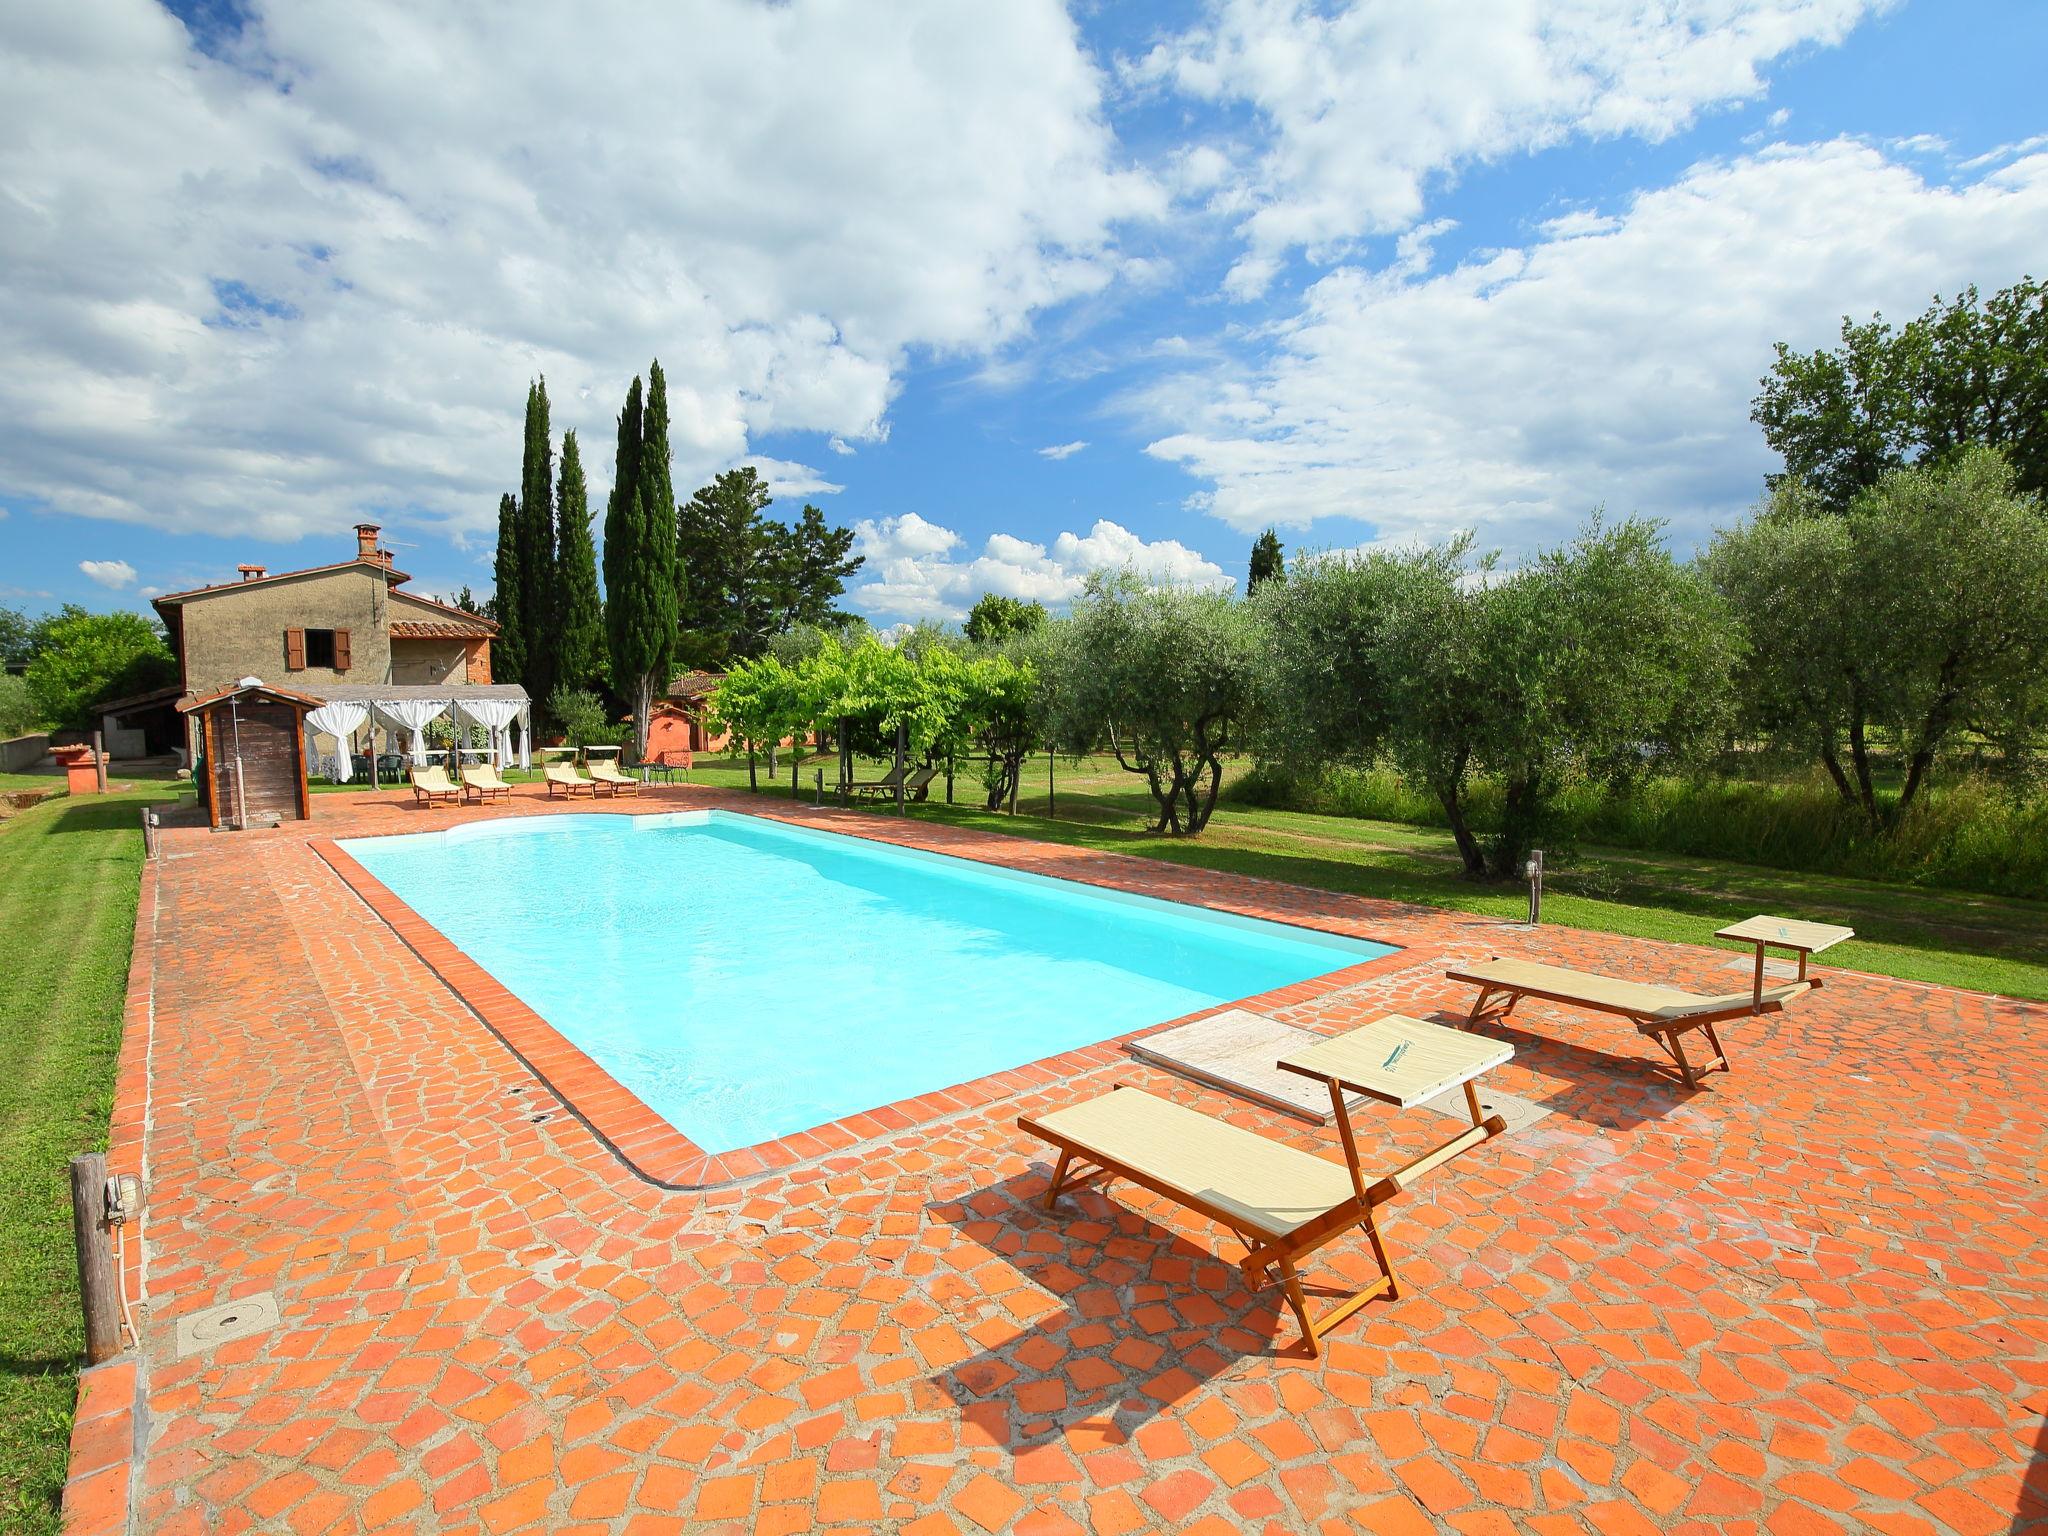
{"x": 232, "y": 633}
{"x": 430, "y": 661}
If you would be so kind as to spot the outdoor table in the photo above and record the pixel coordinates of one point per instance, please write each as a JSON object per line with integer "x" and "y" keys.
{"x": 1403, "y": 1062}
{"x": 1783, "y": 933}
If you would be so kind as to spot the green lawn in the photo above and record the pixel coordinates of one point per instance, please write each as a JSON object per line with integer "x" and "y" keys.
{"x": 1986, "y": 943}
{"x": 69, "y": 876}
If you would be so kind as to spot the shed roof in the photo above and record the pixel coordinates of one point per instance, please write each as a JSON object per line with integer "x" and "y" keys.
{"x": 240, "y": 691}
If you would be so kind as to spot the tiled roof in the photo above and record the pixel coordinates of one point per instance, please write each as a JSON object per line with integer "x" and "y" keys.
{"x": 394, "y": 577}
{"x": 439, "y": 629}
{"x": 250, "y": 690}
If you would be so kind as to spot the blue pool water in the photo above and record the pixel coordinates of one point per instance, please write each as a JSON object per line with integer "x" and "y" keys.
{"x": 748, "y": 979}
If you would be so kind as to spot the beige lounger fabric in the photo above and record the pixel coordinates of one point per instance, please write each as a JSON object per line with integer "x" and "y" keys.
{"x": 1635, "y": 998}
{"x": 1268, "y": 1187}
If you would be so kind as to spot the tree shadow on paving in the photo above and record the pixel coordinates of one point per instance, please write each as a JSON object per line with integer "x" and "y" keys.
{"x": 2031, "y": 1518}
{"x": 1146, "y": 1316}
{"x": 1609, "y": 1092}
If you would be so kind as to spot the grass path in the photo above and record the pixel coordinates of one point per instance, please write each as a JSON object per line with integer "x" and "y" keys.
{"x": 69, "y": 877}
{"x": 1985, "y": 943}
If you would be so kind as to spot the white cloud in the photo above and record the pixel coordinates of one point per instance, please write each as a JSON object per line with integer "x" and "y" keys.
{"x": 1060, "y": 451}
{"x": 1360, "y": 105}
{"x": 1612, "y": 361}
{"x": 271, "y": 290}
{"x": 786, "y": 479}
{"x": 915, "y": 572}
{"x": 112, "y": 574}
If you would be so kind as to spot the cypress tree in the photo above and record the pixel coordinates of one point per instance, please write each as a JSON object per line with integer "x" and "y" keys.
{"x": 617, "y": 537}
{"x": 640, "y": 554}
{"x": 579, "y": 617}
{"x": 508, "y": 650}
{"x": 1268, "y": 564}
{"x": 537, "y": 550}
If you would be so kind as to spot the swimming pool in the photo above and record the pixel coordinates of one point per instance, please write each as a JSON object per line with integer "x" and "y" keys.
{"x": 748, "y": 979}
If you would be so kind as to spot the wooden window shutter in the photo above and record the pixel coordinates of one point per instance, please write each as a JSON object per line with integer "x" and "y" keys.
{"x": 295, "y": 650}
{"x": 341, "y": 650}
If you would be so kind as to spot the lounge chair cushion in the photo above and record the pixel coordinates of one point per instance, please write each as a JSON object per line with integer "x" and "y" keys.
{"x": 1265, "y": 1186}
{"x": 1638, "y": 999}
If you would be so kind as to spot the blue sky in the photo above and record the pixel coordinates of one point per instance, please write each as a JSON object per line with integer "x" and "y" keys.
{"x": 1379, "y": 272}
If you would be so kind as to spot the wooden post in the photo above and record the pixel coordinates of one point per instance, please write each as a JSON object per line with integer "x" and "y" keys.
{"x": 899, "y": 767}
{"x": 792, "y": 773}
{"x": 99, "y": 759}
{"x": 98, "y": 1285}
{"x": 1051, "y": 807}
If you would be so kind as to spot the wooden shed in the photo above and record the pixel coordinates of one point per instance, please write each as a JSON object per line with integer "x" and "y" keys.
{"x": 252, "y": 754}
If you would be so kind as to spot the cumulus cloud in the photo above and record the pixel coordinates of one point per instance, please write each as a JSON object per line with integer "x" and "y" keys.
{"x": 1358, "y": 106}
{"x": 786, "y": 479}
{"x": 112, "y": 574}
{"x": 308, "y": 268}
{"x": 916, "y": 571}
{"x": 1612, "y": 361}
{"x": 1058, "y": 451}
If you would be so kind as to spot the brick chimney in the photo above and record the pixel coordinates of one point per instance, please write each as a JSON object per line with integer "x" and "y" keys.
{"x": 252, "y": 572}
{"x": 366, "y": 541}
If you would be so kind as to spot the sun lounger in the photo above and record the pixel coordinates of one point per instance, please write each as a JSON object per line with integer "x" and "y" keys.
{"x": 885, "y": 785}
{"x": 1283, "y": 1203}
{"x": 607, "y": 775}
{"x": 431, "y": 784}
{"x": 483, "y": 781}
{"x": 917, "y": 780}
{"x": 1665, "y": 1014}
{"x": 563, "y": 776}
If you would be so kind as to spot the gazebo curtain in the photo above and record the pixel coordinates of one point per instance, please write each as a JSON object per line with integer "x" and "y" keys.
{"x": 411, "y": 715}
{"x": 341, "y": 721}
{"x": 496, "y": 717}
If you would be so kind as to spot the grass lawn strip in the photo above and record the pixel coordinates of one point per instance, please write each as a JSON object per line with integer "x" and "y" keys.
{"x": 70, "y": 873}
{"x": 1983, "y": 943}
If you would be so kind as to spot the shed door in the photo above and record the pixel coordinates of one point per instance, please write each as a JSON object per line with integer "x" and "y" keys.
{"x": 265, "y": 738}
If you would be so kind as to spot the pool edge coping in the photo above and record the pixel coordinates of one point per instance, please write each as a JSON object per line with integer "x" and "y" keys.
{"x": 656, "y": 1152}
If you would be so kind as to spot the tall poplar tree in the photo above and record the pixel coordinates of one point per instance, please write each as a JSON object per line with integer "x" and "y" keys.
{"x": 640, "y": 565}
{"x": 508, "y": 650}
{"x": 579, "y": 616}
{"x": 537, "y": 550}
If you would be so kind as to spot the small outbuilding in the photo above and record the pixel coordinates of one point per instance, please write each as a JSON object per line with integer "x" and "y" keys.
{"x": 252, "y": 754}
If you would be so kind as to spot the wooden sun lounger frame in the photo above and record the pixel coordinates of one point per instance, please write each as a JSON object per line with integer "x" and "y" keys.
{"x": 483, "y": 791}
{"x": 1264, "y": 1251}
{"x": 427, "y": 794}
{"x": 1668, "y": 1032}
{"x": 615, "y": 780}
{"x": 571, "y": 787}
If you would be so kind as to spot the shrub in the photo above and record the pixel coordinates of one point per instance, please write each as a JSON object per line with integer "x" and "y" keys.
{"x": 18, "y": 714}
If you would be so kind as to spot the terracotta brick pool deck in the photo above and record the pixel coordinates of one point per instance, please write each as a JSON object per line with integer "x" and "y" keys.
{"x": 1812, "y": 1296}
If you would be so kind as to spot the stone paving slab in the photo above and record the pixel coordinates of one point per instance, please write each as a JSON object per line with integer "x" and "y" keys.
{"x": 1808, "y": 1297}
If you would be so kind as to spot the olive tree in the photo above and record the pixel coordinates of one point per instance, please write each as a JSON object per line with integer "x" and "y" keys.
{"x": 1919, "y": 614}
{"x": 1164, "y": 676}
{"x": 1597, "y": 659}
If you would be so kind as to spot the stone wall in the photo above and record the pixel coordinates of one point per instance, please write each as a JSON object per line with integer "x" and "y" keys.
{"x": 232, "y": 632}
{"x": 22, "y": 753}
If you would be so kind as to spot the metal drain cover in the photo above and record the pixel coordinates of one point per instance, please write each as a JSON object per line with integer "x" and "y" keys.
{"x": 1519, "y": 1113}
{"x": 230, "y": 1320}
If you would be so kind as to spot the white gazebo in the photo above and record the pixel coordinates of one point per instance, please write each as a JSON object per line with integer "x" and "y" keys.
{"x": 401, "y": 712}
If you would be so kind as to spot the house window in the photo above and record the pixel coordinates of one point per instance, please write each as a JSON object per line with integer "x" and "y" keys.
{"x": 326, "y": 648}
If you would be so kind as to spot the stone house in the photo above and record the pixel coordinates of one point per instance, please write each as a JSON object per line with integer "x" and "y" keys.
{"x": 347, "y": 624}
{"x": 346, "y": 631}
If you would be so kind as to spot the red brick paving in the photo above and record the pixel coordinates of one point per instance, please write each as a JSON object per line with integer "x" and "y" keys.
{"x": 1810, "y": 1297}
